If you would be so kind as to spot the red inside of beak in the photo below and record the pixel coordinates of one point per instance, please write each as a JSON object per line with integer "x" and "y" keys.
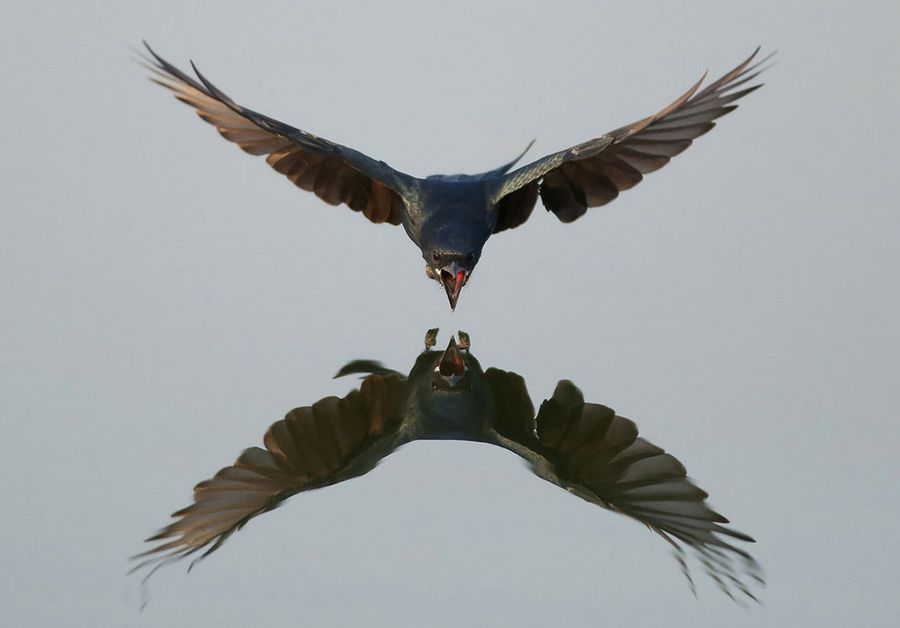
{"x": 453, "y": 282}
{"x": 452, "y": 363}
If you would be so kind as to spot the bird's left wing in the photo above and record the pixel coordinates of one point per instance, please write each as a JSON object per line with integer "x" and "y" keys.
{"x": 336, "y": 174}
{"x": 313, "y": 446}
{"x": 593, "y": 173}
{"x": 591, "y": 452}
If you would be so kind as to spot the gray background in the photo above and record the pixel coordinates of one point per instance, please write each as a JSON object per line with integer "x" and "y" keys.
{"x": 165, "y": 298}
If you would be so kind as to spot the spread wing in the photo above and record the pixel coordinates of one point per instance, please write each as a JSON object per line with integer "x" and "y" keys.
{"x": 336, "y": 174}
{"x": 595, "y": 454}
{"x": 593, "y": 173}
{"x": 333, "y": 440}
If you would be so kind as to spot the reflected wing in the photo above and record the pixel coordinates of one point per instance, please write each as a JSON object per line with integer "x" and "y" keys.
{"x": 314, "y": 446}
{"x": 595, "y": 454}
{"x": 593, "y": 173}
{"x": 335, "y": 173}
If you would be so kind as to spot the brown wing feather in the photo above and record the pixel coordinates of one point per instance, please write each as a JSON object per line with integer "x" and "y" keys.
{"x": 335, "y": 174}
{"x": 600, "y": 457}
{"x": 515, "y": 208}
{"x": 593, "y": 453}
{"x": 313, "y": 446}
{"x": 594, "y": 173}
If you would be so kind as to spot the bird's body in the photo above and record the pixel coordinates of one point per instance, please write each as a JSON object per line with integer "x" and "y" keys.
{"x": 450, "y": 214}
{"x": 450, "y": 217}
{"x": 584, "y": 448}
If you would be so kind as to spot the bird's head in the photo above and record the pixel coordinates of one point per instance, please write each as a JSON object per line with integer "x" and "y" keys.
{"x": 451, "y": 269}
{"x": 451, "y": 244}
{"x": 445, "y": 372}
{"x": 451, "y": 392}
{"x": 450, "y": 373}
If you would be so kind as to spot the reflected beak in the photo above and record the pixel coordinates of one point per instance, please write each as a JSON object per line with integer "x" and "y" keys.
{"x": 452, "y": 366}
{"x": 454, "y": 277}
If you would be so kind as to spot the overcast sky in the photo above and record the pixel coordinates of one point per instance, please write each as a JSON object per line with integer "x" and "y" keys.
{"x": 166, "y": 297}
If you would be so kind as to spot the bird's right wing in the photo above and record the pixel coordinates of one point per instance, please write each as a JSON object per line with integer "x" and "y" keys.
{"x": 591, "y": 452}
{"x": 593, "y": 173}
{"x": 314, "y": 446}
{"x": 336, "y": 174}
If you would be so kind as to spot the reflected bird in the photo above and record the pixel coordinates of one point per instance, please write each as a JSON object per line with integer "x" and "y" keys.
{"x": 450, "y": 217}
{"x": 585, "y": 448}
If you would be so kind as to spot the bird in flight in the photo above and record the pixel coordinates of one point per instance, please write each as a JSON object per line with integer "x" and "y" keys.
{"x": 450, "y": 217}
{"x": 585, "y": 448}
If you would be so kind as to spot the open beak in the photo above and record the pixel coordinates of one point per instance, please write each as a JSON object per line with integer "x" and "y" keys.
{"x": 454, "y": 277}
{"x": 452, "y": 366}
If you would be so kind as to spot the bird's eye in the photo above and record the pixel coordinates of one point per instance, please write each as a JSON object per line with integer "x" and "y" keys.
{"x": 435, "y": 256}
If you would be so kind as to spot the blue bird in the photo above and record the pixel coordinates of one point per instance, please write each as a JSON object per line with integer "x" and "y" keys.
{"x": 450, "y": 217}
{"x": 585, "y": 448}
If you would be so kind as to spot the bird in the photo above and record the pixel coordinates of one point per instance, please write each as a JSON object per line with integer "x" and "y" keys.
{"x": 451, "y": 217}
{"x": 584, "y": 448}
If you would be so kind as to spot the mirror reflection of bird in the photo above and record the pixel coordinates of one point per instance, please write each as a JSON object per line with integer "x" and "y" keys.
{"x": 585, "y": 448}
{"x": 450, "y": 217}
